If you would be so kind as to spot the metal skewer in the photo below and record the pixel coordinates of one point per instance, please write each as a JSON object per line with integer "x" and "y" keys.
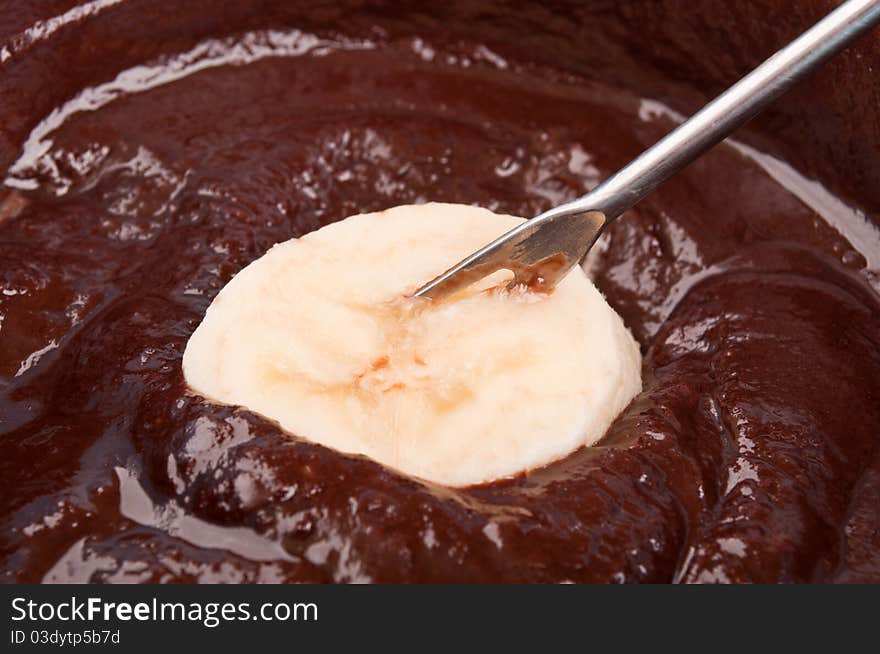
{"x": 541, "y": 251}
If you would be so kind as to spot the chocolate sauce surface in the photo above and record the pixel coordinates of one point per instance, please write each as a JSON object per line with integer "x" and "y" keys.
{"x": 752, "y": 454}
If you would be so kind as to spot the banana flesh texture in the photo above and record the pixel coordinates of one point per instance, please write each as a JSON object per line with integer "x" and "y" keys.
{"x": 320, "y": 335}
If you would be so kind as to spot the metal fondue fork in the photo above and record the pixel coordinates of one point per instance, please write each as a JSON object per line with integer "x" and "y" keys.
{"x": 541, "y": 251}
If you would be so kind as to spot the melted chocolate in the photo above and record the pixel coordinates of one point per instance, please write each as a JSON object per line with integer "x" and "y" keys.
{"x": 752, "y": 454}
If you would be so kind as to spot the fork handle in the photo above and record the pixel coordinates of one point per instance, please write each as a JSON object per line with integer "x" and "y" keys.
{"x": 729, "y": 110}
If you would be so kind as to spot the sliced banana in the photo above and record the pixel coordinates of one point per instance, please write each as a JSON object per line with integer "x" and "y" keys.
{"x": 320, "y": 335}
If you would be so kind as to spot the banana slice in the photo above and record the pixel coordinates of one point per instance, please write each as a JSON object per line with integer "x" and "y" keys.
{"x": 320, "y": 335}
